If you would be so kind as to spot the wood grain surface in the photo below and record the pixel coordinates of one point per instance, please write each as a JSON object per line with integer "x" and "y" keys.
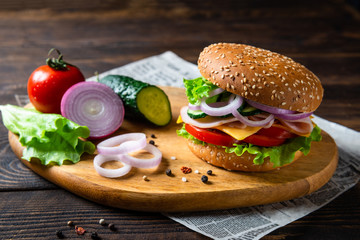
{"x": 101, "y": 35}
{"x": 161, "y": 193}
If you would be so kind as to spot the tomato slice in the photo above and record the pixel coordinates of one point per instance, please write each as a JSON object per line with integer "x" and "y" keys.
{"x": 264, "y": 141}
{"x": 212, "y": 136}
{"x": 270, "y": 137}
{"x": 276, "y": 132}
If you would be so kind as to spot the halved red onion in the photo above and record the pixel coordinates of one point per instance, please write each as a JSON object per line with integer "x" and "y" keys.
{"x": 122, "y": 144}
{"x": 293, "y": 116}
{"x": 261, "y": 123}
{"x": 143, "y": 163}
{"x": 204, "y": 122}
{"x": 94, "y": 105}
{"x": 110, "y": 173}
{"x": 268, "y": 108}
{"x": 234, "y": 103}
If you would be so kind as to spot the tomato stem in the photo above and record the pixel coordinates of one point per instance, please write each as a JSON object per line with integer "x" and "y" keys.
{"x": 59, "y": 63}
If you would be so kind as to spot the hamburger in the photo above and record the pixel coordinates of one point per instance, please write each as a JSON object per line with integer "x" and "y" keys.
{"x": 251, "y": 108}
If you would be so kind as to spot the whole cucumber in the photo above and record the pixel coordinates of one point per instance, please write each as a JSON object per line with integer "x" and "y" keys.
{"x": 141, "y": 99}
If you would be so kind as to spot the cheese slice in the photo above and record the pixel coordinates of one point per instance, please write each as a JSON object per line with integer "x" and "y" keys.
{"x": 238, "y": 133}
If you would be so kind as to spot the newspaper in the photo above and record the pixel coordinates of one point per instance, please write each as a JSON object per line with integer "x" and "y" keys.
{"x": 249, "y": 223}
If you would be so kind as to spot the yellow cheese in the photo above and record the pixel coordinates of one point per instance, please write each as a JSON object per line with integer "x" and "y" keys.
{"x": 238, "y": 133}
{"x": 179, "y": 120}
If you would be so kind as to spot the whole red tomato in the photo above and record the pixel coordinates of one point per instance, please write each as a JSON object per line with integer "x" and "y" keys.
{"x": 48, "y": 83}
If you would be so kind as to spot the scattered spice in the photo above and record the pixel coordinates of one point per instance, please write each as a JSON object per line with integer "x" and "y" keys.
{"x": 184, "y": 179}
{"x": 209, "y": 172}
{"x": 145, "y": 178}
{"x": 185, "y": 170}
{"x": 59, "y": 234}
{"x": 152, "y": 142}
{"x": 168, "y": 172}
{"x": 204, "y": 178}
{"x": 197, "y": 171}
{"x": 102, "y": 222}
{"x": 70, "y": 223}
{"x": 153, "y": 136}
{"x": 79, "y": 230}
{"x": 112, "y": 227}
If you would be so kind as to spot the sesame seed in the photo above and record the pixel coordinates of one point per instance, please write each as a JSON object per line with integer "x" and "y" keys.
{"x": 245, "y": 88}
{"x": 252, "y": 67}
{"x": 283, "y": 103}
{"x": 184, "y": 179}
{"x": 223, "y": 76}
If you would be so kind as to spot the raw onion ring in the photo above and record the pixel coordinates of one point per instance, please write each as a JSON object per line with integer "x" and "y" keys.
{"x": 266, "y": 122}
{"x": 234, "y": 103}
{"x": 194, "y": 107}
{"x": 126, "y": 143}
{"x": 110, "y": 173}
{"x": 143, "y": 163}
{"x": 203, "y": 122}
{"x": 268, "y": 108}
{"x": 216, "y": 92}
{"x": 293, "y": 116}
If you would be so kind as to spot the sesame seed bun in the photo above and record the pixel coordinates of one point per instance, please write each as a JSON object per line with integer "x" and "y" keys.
{"x": 230, "y": 161}
{"x": 262, "y": 76}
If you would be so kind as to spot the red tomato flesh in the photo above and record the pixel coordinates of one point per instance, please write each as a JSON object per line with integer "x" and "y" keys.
{"x": 270, "y": 137}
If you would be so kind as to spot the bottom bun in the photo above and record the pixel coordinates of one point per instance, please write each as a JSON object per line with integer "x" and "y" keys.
{"x": 230, "y": 161}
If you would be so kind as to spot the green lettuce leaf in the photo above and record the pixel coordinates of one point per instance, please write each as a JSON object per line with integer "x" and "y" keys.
{"x": 51, "y": 138}
{"x": 279, "y": 155}
{"x": 198, "y": 88}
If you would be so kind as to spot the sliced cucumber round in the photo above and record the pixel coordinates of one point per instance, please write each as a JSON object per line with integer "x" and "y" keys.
{"x": 195, "y": 114}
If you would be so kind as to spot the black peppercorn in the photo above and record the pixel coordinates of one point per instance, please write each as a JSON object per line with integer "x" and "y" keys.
{"x": 59, "y": 234}
{"x": 209, "y": 172}
{"x": 152, "y": 142}
{"x": 204, "y": 178}
{"x": 153, "y": 136}
{"x": 168, "y": 172}
{"x": 112, "y": 227}
{"x": 94, "y": 236}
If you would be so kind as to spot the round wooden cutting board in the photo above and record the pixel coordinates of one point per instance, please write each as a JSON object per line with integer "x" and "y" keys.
{"x": 162, "y": 193}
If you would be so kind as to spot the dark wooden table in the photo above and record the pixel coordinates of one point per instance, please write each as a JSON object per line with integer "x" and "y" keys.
{"x": 101, "y": 35}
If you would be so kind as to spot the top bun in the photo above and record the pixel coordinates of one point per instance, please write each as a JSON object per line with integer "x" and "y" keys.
{"x": 262, "y": 76}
